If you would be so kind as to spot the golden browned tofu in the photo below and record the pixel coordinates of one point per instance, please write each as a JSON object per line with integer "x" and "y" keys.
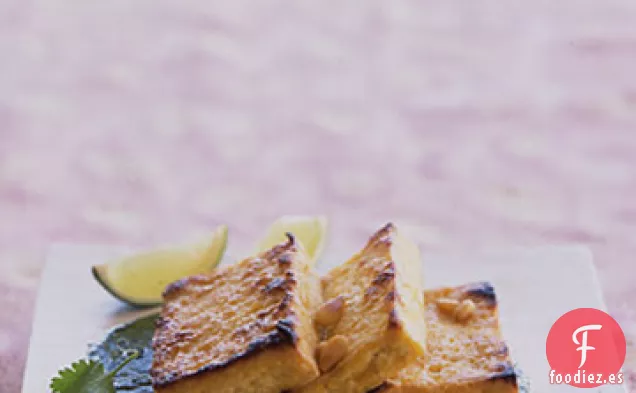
{"x": 380, "y": 326}
{"x": 245, "y": 328}
{"x": 466, "y": 350}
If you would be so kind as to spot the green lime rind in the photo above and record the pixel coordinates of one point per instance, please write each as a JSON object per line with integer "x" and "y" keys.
{"x": 129, "y": 301}
{"x": 214, "y": 253}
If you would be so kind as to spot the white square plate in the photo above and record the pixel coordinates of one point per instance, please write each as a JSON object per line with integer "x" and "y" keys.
{"x": 534, "y": 287}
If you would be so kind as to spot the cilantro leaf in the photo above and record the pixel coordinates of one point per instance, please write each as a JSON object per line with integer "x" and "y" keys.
{"x": 136, "y": 335}
{"x": 87, "y": 377}
{"x": 82, "y": 376}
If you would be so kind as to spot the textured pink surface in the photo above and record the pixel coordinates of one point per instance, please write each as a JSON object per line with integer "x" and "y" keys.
{"x": 487, "y": 122}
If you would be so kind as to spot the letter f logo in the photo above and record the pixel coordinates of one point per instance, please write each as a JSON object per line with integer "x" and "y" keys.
{"x": 570, "y": 341}
{"x": 584, "y": 347}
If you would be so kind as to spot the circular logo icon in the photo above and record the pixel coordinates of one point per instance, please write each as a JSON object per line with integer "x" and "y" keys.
{"x": 586, "y": 348}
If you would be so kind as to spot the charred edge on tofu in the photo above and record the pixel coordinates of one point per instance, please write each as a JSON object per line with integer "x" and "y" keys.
{"x": 381, "y": 388}
{"x": 507, "y": 375}
{"x": 383, "y": 234}
{"x": 285, "y": 333}
{"x": 391, "y": 298}
{"x": 178, "y": 285}
{"x": 385, "y": 277}
{"x": 277, "y": 283}
{"x": 388, "y": 274}
{"x": 483, "y": 290}
{"x": 394, "y": 320}
{"x": 278, "y": 252}
{"x": 503, "y": 350}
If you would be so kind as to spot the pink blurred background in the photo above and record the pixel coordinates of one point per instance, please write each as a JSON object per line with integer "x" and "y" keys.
{"x": 488, "y": 123}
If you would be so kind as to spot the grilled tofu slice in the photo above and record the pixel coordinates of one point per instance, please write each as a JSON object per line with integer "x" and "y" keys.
{"x": 467, "y": 352}
{"x": 245, "y": 328}
{"x": 380, "y": 327}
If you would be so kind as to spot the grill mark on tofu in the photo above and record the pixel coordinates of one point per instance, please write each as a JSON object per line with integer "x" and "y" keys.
{"x": 284, "y": 335}
{"x": 482, "y": 290}
{"x": 277, "y": 283}
{"x": 507, "y": 374}
{"x": 394, "y": 320}
{"x": 503, "y": 350}
{"x": 384, "y": 278}
{"x": 286, "y": 303}
{"x": 274, "y": 339}
{"x": 285, "y": 328}
{"x": 383, "y": 235}
{"x": 284, "y": 259}
{"x": 449, "y": 365}
{"x": 383, "y": 333}
{"x": 174, "y": 288}
{"x": 192, "y": 314}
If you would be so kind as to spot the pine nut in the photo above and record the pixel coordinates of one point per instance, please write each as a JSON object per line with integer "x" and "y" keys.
{"x": 331, "y": 352}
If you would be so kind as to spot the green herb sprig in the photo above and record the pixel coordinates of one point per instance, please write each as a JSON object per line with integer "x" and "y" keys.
{"x": 88, "y": 376}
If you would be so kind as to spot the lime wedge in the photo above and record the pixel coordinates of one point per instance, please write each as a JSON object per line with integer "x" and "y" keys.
{"x": 140, "y": 279}
{"x": 311, "y": 231}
